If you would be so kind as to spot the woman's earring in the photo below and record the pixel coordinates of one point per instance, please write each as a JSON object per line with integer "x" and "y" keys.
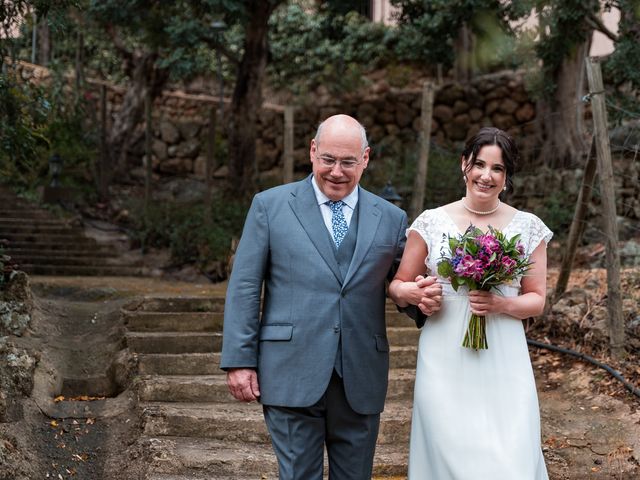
{"x": 464, "y": 178}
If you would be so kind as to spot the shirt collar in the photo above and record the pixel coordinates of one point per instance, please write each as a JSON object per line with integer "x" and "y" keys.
{"x": 350, "y": 200}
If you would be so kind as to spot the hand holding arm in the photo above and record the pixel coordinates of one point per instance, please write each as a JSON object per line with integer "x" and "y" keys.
{"x": 431, "y": 294}
{"x": 409, "y": 286}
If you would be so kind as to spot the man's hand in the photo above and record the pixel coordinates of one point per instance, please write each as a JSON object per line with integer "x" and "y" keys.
{"x": 243, "y": 384}
{"x": 431, "y": 294}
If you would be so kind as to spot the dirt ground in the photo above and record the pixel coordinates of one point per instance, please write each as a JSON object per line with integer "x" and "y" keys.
{"x": 590, "y": 423}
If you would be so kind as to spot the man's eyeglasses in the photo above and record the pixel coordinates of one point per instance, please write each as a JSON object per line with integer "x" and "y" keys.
{"x": 344, "y": 164}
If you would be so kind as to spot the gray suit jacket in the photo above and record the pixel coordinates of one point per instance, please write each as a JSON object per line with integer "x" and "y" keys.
{"x": 292, "y": 338}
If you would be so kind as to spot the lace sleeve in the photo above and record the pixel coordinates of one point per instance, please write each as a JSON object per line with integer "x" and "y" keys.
{"x": 424, "y": 226}
{"x": 536, "y": 233}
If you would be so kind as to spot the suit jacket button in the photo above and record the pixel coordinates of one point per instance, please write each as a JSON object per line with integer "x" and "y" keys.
{"x": 336, "y": 329}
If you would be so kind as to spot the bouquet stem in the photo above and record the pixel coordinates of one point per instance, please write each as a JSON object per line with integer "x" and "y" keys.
{"x": 476, "y": 335}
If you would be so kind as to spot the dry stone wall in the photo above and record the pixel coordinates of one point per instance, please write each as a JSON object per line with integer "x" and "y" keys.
{"x": 392, "y": 119}
{"x": 391, "y": 116}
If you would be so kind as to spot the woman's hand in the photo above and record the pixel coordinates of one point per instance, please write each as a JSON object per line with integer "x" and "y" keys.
{"x": 431, "y": 294}
{"x": 484, "y": 303}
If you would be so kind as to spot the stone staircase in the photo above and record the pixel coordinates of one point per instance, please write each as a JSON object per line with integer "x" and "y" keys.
{"x": 42, "y": 244}
{"x": 193, "y": 426}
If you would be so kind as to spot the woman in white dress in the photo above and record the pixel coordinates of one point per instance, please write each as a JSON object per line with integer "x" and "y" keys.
{"x": 475, "y": 412}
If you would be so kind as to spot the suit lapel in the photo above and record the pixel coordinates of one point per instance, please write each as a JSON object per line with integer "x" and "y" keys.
{"x": 370, "y": 216}
{"x": 305, "y": 207}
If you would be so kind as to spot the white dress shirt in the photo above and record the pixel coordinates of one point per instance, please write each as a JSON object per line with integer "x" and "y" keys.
{"x": 350, "y": 201}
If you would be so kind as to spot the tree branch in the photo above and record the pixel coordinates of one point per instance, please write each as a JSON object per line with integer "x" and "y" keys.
{"x": 598, "y": 24}
{"x": 128, "y": 55}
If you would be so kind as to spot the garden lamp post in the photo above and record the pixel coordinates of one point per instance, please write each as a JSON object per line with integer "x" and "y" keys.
{"x": 55, "y": 169}
{"x": 390, "y": 194}
{"x": 218, "y": 28}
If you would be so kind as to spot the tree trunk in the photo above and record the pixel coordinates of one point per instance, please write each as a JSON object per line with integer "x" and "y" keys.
{"x": 247, "y": 98}
{"x": 560, "y": 118}
{"x": 44, "y": 43}
{"x": 145, "y": 77}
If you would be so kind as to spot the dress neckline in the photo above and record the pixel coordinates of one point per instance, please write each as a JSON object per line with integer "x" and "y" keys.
{"x": 502, "y": 229}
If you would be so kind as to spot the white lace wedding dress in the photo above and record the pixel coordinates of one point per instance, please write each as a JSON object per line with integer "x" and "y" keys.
{"x": 475, "y": 413}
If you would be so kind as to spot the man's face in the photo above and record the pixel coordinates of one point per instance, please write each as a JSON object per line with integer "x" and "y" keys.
{"x": 338, "y": 144}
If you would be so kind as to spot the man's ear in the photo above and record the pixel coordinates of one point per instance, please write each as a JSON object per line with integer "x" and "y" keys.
{"x": 365, "y": 157}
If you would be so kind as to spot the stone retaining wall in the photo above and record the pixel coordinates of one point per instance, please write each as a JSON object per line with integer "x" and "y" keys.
{"x": 391, "y": 116}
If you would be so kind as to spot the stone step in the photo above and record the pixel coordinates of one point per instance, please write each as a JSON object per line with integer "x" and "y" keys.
{"x": 78, "y": 270}
{"x": 183, "y": 321}
{"x": 178, "y": 304}
{"x": 69, "y": 239}
{"x": 22, "y": 221}
{"x": 209, "y": 363}
{"x": 35, "y": 252}
{"x": 398, "y": 319}
{"x": 205, "y": 458}
{"x": 63, "y": 258}
{"x": 202, "y": 342}
{"x": 179, "y": 364}
{"x": 174, "y": 342}
{"x": 213, "y": 388}
{"x": 241, "y": 422}
{"x": 403, "y": 357}
{"x": 89, "y": 249}
{"x": 184, "y": 388}
{"x": 39, "y": 229}
{"x": 24, "y": 212}
{"x": 142, "y": 321}
{"x": 403, "y": 336}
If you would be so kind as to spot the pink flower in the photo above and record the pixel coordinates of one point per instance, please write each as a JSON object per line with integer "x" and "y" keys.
{"x": 508, "y": 264}
{"x": 488, "y": 242}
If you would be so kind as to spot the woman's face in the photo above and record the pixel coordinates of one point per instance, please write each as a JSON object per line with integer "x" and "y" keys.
{"x": 486, "y": 174}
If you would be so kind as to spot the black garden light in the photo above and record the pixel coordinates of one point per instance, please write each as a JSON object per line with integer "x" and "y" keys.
{"x": 390, "y": 194}
{"x": 55, "y": 169}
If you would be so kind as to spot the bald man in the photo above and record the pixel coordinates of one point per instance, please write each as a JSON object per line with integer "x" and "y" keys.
{"x": 316, "y": 355}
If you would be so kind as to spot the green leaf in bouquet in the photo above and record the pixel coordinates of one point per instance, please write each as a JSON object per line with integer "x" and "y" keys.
{"x": 445, "y": 269}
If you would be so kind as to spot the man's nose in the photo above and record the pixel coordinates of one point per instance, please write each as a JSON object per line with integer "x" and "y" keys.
{"x": 336, "y": 169}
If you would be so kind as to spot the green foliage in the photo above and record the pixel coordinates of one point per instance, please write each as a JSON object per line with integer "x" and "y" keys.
{"x": 623, "y": 65}
{"x": 428, "y": 30}
{"x": 181, "y": 228}
{"x": 310, "y": 49}
{"x": 557, "y": 211}
{"x": 179, "y": 32}
{"x": 36, "y": 122}
{"x": 23, "y": 114}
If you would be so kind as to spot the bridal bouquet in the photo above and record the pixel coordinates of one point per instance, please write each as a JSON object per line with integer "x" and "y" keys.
{"x": 482, "y": 261}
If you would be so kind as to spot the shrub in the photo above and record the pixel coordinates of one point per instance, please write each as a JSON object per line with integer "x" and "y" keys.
{"x": 181, "y": 228}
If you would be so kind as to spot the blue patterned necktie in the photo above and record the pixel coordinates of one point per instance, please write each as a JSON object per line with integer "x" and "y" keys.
{"x": 338, "y": 222}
